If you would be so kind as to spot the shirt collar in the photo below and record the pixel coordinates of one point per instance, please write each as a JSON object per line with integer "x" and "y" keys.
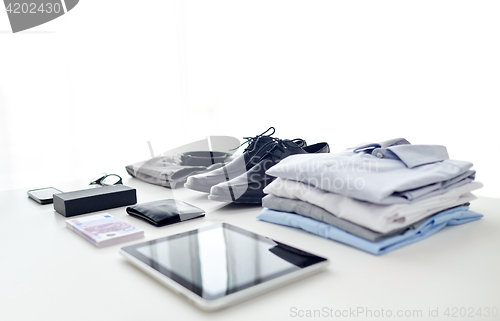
{"x": 368, "y": 147}
{"x": 413, "y": 155}
{"x": 401, "y": 149}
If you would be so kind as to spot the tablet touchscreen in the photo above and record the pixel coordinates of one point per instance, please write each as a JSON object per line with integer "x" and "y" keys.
{"x": 220, "y": 259}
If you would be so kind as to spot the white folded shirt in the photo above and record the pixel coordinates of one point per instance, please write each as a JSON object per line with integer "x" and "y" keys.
{"x": 380, "y": 218}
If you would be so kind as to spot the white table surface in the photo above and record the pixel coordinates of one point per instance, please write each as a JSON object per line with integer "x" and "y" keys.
{"x": 48, "y": 272}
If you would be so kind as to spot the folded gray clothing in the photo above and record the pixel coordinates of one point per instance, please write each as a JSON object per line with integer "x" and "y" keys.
{"x": 310, "y": 210}
{"x": 167, "y": 171}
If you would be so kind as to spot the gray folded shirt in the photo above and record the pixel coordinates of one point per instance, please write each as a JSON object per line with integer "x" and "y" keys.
{"x": 174, "y": 166}
{"x": 310, "y": 210}
{"x": 167, "y": 171}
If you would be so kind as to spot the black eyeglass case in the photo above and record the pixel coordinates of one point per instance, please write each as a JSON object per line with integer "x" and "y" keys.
{"x": 94, "y": 199}
{"x": 165, "y": 212}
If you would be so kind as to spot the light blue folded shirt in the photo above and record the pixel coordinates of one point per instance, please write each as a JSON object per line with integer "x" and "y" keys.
{"x": 453, "y": 216}
{"x": 380, "y": 174}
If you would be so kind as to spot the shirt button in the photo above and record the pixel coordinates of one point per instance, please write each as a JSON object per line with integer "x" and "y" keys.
{"x": 380, "y": 155}
{"x": 329, "y": 163}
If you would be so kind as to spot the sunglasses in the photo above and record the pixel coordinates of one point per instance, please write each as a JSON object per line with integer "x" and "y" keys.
{"x": 104, "y": 179}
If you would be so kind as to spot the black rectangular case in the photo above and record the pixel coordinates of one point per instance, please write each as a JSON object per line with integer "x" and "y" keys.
{"x": 94, "y": 199}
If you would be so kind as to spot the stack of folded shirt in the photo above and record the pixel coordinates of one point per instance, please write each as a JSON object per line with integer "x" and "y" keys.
{"x": 376, "y": 197}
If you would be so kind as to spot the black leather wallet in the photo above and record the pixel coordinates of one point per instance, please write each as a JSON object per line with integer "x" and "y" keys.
{"x": 165, "y": 212}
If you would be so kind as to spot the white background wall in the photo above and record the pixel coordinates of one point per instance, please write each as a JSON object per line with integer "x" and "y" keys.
{"x": 84, "y": 93}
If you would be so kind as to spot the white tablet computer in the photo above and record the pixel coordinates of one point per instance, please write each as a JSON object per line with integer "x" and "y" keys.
{"x": 219, "y": 265}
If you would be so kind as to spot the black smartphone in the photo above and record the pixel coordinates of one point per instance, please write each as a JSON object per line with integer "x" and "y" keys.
{"x": 43, "y": 195}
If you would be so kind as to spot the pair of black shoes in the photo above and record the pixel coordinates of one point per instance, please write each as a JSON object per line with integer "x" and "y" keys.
{"x": 243, "y": 179}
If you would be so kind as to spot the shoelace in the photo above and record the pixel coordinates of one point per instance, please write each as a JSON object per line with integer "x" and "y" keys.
{"x": 281, "y": 145}
{"x": 252, "y": 141}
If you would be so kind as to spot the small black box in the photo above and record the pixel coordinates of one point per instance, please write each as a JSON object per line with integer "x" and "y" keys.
{"x": 94, "y": 199}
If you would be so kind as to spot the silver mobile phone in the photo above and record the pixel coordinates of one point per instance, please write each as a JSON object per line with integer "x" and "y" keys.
{"x": 43, "y": 195}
